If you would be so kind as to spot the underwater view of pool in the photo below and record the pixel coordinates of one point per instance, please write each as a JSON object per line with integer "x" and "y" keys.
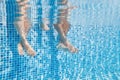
{"x": 94, "y": 30}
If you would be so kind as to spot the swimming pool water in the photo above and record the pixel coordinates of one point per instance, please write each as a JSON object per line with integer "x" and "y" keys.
{"x": 95, "y": 31}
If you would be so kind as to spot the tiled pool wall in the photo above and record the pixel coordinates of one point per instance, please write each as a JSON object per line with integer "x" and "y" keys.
{"x": 95, "y": 31}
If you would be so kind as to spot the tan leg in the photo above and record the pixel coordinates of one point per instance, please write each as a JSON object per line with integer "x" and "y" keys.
{"x": 60, "y": 31}
{"x": 28, "y": 48}
{"x": 24, "y": 43}
{"x": 63, "y": 2}
{"x": 64, "y": 43}
{"x": 62, "y": 28}
{"x": 23, "y": 26}
{"x": 20, "y": 49}
{"x": 44, "y": 24}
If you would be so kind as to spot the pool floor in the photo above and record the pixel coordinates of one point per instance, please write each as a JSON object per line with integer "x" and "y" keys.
{"x": 95, "y": 31}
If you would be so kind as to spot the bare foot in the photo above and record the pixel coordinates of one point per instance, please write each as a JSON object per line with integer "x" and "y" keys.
{"x": 20, "y": 49}
{"x": 29, "y": 49}
{"x": 45, "y": 27}
{"x": 67, "y": 46}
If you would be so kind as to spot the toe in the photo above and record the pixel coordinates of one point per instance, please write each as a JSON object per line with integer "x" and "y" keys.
{"x": 31, "y": 52}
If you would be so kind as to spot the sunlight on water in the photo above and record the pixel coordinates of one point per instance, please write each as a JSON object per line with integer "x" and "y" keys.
{"x": 94, "y": 30}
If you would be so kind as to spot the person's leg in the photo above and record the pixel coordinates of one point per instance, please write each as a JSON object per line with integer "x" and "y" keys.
{"x": 64, "y": 43}
{"x": 62, "y": 2}
{"x": 23, "y": 26}
{"x": 63, "y": 15}
{"x": 62, "y": 28}
{"x": 60, "y": 31}
{"x": 44, "y": 24}
{"x": 44, "y": 16}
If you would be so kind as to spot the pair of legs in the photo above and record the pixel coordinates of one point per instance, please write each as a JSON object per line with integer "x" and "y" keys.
{"x": 23, "y": 26}
{"x": 62, "y": 28}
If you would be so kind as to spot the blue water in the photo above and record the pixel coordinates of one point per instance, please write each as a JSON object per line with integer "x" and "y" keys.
{"x": 95, "y": 31}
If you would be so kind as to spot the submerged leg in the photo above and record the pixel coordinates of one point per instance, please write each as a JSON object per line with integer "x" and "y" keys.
{"x": 64, "y": 43}
{"x": 62, "y": 28}
{"x": 19, "y": 28}
{"x": 63, "y": 2}
{"x": 44, "y": 21}
{"x": 23, "y": 26}
{"x": 44, "y": 24}
{"x": 20, "y": 48}
{"x": 23, "y": 29}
